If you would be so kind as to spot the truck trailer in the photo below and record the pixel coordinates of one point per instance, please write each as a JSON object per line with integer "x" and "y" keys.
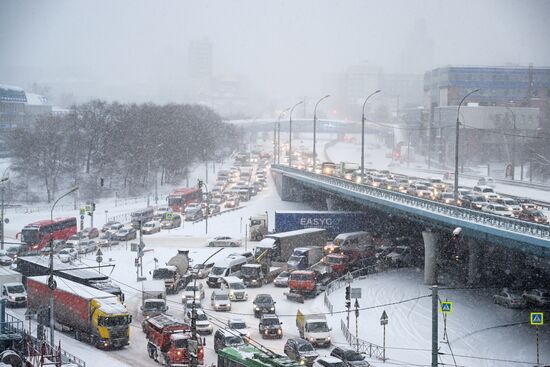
{"x": 334, "y": 222}
{"x": 96, "y": 317}
{"x": 304, "y": 257}
{"x": 153, "y": 298}
{"x": 281, "y": 245}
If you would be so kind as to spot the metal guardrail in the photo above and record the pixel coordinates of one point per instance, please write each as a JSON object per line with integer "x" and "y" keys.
{"x": 12, "y": 328}
{"x": 425, "y": 207}
{"x": 362, "y": 346}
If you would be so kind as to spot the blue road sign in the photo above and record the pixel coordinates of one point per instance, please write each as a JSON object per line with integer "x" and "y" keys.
{"x": 446, "y": 307}
{"x": 536, "y": 318}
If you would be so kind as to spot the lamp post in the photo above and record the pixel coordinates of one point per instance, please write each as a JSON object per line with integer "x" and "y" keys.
{"x": 457, "y": 140}
{"x": 279, "y": 134}
{"x": 513, "y": 144}
{"x": 363, "y": 134}
{"x": 290, "y": 134}
{"x": 2, "y": 180}
{"x": 315, "y": 132}
{"x": 51, "y": 281}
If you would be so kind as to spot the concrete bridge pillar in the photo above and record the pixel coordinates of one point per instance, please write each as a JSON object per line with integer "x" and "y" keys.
{"x": 430, "y": 256}
{"x": 474, "y": 254}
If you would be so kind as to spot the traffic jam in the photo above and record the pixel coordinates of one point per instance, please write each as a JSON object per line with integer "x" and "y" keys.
{"x": 292, "y": 262}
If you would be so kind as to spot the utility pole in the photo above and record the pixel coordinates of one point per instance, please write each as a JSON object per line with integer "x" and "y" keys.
{"x": 356, "y": 305}
{"x": 363, "y": 136}
{"x": 434, "y": 325}
{"x": 290, "y": 134}
{"x": 315, "y": 132}
{"x": 2, "y": 180}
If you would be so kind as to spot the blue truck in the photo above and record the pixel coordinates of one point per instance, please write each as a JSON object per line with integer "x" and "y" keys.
{"x": 334, "y": 222}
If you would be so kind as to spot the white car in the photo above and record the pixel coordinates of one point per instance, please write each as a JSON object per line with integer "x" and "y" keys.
{"x": 329, "y": 362}
{"x": 239, "y": 325}
{"x": 220, "y": 301}
{"x": 203, "y": 324}
{"x": 191, "y": 290}
{"x": 74, "y": 240}
{"x": 224, "y": 241}
{"x": 510, "y": 204}
{"x": 497, "y": 209}
{"x": 486, "y": 181}
{"x": 67, "y": 254}
{"x": 151, "y": 227}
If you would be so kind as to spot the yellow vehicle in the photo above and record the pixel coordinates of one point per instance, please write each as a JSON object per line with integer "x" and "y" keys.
{"x": 96, "y": 317}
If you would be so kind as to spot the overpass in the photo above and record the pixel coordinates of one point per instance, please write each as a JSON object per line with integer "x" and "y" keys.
{"x": 477, "y": 226}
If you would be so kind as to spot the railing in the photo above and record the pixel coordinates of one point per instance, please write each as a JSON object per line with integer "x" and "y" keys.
{"x": 12, "y": 328}
{"x": 428, "y": 207}
{"x": 362, "y": 346}
{"x": 341, "y": 281}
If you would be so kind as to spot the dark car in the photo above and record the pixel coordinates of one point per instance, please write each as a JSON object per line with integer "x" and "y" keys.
{"x": 350, "y": 357}
{"x": 5, "y": 259}
{"x": 270, "y": 327}
{"x": 300, "y": 350}
{"x": 90, "y": 232}
{"x": 125, "y": 234}
{"x": 263, "y": 303}
{"x": 225, "y": 338}
{"x": 533, "y": 215}
{"x": 473, "y": 201}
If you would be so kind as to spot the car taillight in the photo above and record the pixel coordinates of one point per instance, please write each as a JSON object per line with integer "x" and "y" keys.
{"x": 201, "y": 353}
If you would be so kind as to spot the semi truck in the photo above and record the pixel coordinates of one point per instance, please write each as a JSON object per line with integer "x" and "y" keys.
{"x": 280, "y": 246}
{"x": 12, "y": 288}
{"x": 313, "y": 327}
{"x": 304, "y": 257}
{"x": 95, "y": 317}
{"x": 174, "y": 274}
{"x": 153, "y": 298}
{"x": 169, "y": 341}
{"x": 333, "y": 221}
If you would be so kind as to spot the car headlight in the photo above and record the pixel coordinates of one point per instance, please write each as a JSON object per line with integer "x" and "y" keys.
{"x": 279, "y": 331}
{"x": 216, "y": 305}
{"x": 272, "y": 308}
{"x": 254, "y": 280}
{"x": 312, "y": 339}
{"x": 257, "y": 308}
{"x": 328, "y": 338}
{"x": 302, "y": 361}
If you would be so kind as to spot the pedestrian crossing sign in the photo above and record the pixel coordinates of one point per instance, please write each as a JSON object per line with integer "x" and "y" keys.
{"x": 169, "y": 216}
{"x": 537, "y": 318}
{"x": 446, "y": 307}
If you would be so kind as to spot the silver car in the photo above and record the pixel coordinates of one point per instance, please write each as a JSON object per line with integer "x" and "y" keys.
{"x": 224, "y": 241}
{"x": 220, "y": 301}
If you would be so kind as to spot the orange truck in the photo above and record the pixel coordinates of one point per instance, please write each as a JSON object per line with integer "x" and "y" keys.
{"x": 169, "y": 341}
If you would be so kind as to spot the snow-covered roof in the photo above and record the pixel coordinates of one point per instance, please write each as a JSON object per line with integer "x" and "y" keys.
{"x": 153, "y": 286}
{"x": 36, "y": 99}
{"x": 74, "y": 288}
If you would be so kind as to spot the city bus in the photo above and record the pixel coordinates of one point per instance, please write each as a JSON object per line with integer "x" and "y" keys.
{"x": 142, "y": 216}
{"x": 179, "y": 198}
{"x": 37, "y": 235}
{"x": 249, "y": 356}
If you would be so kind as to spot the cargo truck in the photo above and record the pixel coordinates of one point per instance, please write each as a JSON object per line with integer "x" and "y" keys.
{"x": 313, "y": 327}
{"x": 153, "y": 298}
{"x": 334, "y": 222}
{"x": 174, "y": 274}
{"x": 169, "y": 341}
{"x": 257, "y": 227}
{"x": 12, "y": 288}
{"x": 304, "y": 257}
{"x": 280, "y": 246}
{"x": 96, "y": 317}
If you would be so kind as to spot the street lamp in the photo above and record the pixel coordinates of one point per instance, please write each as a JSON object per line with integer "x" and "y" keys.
{"x": 2, "y": 180}
{"x": 290, "y": 134}
{"x": 315, "y": 131}
{"x": 513, "y": 144}
{"x": 51, "y": 281}
{"x": 457, "y": 140}
{"x": 363, "y": 134}
{"x": 279, "y": 134}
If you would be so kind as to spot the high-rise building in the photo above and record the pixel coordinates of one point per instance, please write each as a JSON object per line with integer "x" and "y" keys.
{"x": 200, "y": 66}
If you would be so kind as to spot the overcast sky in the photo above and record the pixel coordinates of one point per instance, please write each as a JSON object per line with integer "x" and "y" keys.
{"x": 282, "y": 47}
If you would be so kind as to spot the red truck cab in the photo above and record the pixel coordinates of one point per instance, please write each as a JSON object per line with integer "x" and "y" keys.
{"x": 338, "y": 262}
{"x": 303, "y": 281}
{"x": 168, "y": 341}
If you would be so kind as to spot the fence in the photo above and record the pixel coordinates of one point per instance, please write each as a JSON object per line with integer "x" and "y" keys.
{"x": 362, "y": 346}
{"x": 340, "y": 282}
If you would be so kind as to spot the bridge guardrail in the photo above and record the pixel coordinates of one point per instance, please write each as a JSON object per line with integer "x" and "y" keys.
{"x": 487, "y": 219}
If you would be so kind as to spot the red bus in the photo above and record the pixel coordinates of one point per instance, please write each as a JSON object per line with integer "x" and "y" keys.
{"x": 37, "y": 235}
{"x": 179, "y": 198}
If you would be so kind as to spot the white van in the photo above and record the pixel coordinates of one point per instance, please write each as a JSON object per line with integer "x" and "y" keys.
{"x": 231, "y": 265}
{"x": 235, "y": 287}
{"x": 484, "y": 190}
{"x": 351, "y": 240}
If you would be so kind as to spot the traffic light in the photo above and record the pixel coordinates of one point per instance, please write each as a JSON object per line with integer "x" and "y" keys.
{"x": 93, "y": 207}
{"x": 199, "y": 182}
{"x": 348, "y": 293}
{"x": 101, "y": 182}
{"x": 348, "y": 304}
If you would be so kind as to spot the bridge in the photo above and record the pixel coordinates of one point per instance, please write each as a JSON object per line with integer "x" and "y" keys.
{"x": 435, "y": 217}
